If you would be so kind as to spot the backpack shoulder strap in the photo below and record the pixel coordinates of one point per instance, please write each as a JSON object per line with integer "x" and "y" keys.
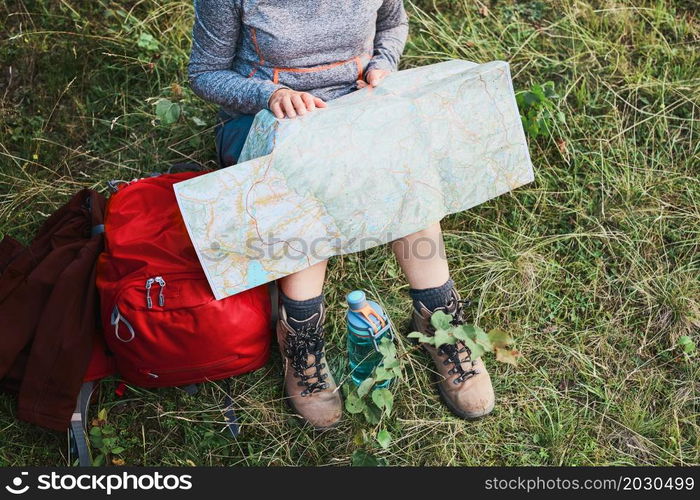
{"x": 78, "y": 425}
{"x": 229, "y": 413}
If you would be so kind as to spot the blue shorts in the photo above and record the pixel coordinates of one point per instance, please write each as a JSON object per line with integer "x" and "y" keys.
{"x": 231, "y": 134}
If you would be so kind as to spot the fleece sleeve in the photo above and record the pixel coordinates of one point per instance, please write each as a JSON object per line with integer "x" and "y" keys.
{"x": 215, "y": 34}
{"x": 392, "y": 31}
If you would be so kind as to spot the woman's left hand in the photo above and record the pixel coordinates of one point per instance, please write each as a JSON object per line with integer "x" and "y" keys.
{"x": 374, "y": 78}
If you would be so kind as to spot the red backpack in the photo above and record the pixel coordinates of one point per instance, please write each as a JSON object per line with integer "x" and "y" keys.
{"x": 159, "y": 316}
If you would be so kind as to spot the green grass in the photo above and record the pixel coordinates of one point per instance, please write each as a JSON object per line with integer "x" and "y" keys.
{"x": 594, "y": 268}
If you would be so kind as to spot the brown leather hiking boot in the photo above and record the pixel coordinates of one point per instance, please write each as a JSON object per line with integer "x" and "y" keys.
{"x": 464, "y": 385}
{"x": 308, "y": 383}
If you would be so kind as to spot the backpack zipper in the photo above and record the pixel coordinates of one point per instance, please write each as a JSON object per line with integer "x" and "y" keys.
{"x": 151, "y": 302}
{"x": 161, "y": 291}
{"x": 149, "y": 284}
{"x": 161, "y": 296}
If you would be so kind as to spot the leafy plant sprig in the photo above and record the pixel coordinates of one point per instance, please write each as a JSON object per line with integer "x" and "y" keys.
{"x": 104, "y": 438}
{"x": 538, "y": 111}
{"x": 686, "y": 344}
{"x": 167, "y": 111}
{"x": 374, "y": 402}
{"x": 477, "y": 340}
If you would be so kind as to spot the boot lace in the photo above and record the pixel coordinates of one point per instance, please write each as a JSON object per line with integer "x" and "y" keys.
{"x": 455, "y": 351}
{"x": 308, "y": 341}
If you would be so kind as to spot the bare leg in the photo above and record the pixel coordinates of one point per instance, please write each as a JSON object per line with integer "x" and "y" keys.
{"x": 421, "y": 256}
{"x": 306, "y": 284}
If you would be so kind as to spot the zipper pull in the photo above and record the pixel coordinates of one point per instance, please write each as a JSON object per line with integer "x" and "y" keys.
{"x": 149, "y": 284}
{"x": 144, "y": 371}
{"x": 161, "y": 296}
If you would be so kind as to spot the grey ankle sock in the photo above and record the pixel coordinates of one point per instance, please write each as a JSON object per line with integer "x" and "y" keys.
{"x": 298, "y": 311}
{"x": 432, "y": 298}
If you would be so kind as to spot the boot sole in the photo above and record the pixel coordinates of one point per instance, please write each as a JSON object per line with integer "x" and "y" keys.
{"x": 436, "y": 380}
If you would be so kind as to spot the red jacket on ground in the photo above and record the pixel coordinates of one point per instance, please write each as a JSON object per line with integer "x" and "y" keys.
{"x": 48, "y": 312}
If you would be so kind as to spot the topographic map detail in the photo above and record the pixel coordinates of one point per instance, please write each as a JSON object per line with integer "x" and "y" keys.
{"x": 375, "y": 165}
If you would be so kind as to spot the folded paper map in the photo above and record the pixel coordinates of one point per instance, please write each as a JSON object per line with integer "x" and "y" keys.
{"x": 375, "y": 165}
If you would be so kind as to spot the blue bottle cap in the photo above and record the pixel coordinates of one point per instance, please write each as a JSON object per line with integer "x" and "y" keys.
{"x": 356, "y": 299}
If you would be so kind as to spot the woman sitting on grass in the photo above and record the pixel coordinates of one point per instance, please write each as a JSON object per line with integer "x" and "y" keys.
{"x": 293, "y": 57}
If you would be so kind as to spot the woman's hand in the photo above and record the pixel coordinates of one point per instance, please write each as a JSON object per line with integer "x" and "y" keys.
{"x": 374, "y": 78}
{"x": 290, "y": 103}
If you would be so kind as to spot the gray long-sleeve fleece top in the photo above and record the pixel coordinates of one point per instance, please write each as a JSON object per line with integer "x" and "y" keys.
{"x": 244, "y": 50}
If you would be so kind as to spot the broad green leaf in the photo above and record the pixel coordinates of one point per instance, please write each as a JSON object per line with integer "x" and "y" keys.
{"x": 509, "y": 356}
{"x": 387, "y": 348}
{"x": 391, "y": 363}
{"x": 365, "y": 387}
{"x": 549, "y": 90}
{"x": 372, "y": 414}
{"x": 384, "y": 438}
{"x": 99, "y": 460}
{"x": 147, "y": 41}
{"x": 465, "y": 332}
{"x": 529, "y": 98}
{"x": 482, "y": 338}
{"x": 354, "y": 404}
{"x": 102, "y": 414}
{"x": 96, "y": 431}
{"x": 538, "y": 92}
{"x": 441, "y": 321}
{"x": 443, "y": 337}
{"x": 476, "y": 350}
{"x": 422, "y": 338}
{"x": 687, "y": 344}
{"x": 167, "y": 111}
{"x": 360, "y": 458}
{"x": 499, "y": 338}
{"x": 383, "y": 398}
{"x": 381, "y": 374}
{"x": 117, "y": 450}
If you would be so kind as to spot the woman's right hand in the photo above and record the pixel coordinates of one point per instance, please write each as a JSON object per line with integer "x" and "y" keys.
{"x": 290, "y": 103}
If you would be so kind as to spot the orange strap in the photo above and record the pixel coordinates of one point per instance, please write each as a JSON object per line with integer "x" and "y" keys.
{"x": 276, "y": 70}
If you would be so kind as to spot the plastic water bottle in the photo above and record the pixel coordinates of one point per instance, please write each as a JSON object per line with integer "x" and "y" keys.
{"x": 367, "y": 325}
